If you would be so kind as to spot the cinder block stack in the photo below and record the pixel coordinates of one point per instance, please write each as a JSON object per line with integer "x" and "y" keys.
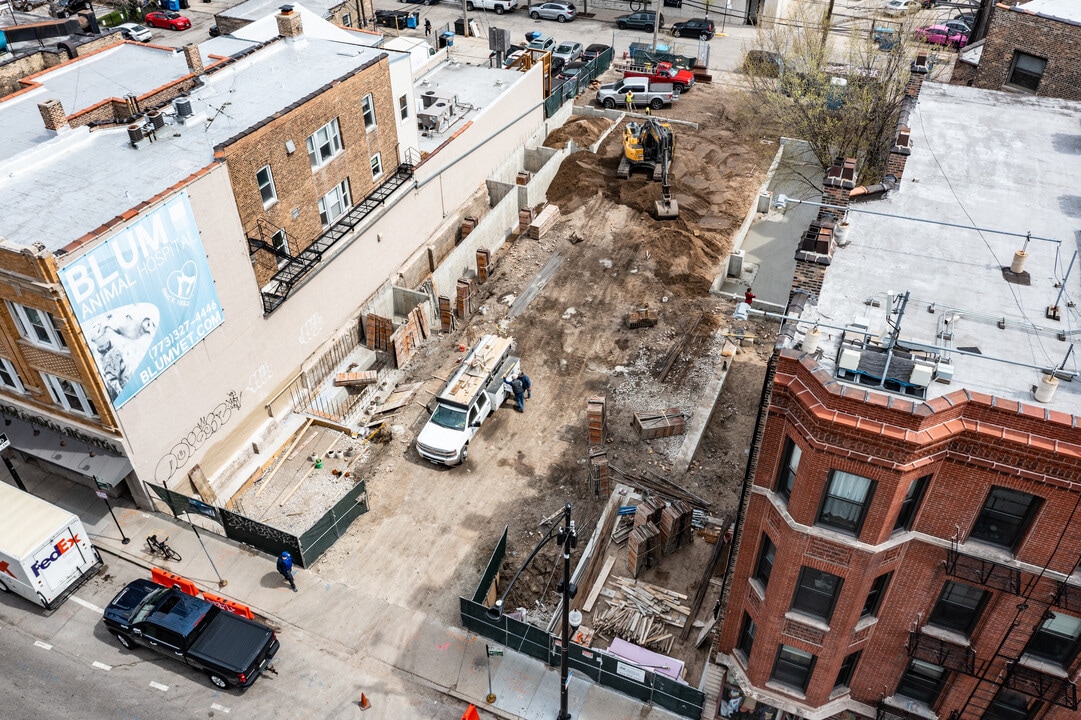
{"x": 596, "y": 417}
{"x": 484, "y": 259}
{"x": 643, "y": 548}
{"x": 446, "y": 319}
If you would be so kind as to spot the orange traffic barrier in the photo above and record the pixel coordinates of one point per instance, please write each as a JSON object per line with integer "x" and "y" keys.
{"x": 365, "y": 703}
{"x": 230, "y": 605}
{"x": 168, "y": 579}
{"x": 471, "y": 713}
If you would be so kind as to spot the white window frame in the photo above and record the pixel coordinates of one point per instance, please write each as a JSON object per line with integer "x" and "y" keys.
{"x": 347, "y": 20}
{"x": 8, "y": 367}
{"x": 324, "y": 144}
{"x": 59, "y": 395}
{"x": 43, "y": 333}
{"x": 336, "y": 201}
{"x": 377, "y": 166}
{"x": 280, "y": 241}
{"x": 403, "y": 107}
{"x": 367, "y": 110}
{"x": 267, "y": 202}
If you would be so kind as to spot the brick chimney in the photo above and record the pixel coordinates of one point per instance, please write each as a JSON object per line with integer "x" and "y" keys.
{"x": 918, "y": 72}
{"x": 840, "y": 179}
{"x": 52, "y": 112}
{"x": 289, "y": 22}
{"x": 193, "y": 58}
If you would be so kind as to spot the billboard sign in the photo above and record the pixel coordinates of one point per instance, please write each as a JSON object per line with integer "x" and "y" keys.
{"x": 144, "y": 297}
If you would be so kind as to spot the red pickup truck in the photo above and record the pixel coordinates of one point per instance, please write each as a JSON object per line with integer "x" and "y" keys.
{"x": 663, "y": 72}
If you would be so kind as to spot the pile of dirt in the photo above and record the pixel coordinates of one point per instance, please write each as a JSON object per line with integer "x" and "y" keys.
{"x": 584, "y": 131}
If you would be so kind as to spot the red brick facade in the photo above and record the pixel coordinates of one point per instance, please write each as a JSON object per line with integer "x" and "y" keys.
{"x": 965, "y": 444}
{"x": 1014, "y": 30}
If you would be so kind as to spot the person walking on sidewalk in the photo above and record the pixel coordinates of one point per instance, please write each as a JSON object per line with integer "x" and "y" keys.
{"x": 285, "y": 567}
{"x": 427, "y": 27}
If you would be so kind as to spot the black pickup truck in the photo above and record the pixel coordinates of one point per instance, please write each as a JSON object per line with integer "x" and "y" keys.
{"x": 230, "y": 649}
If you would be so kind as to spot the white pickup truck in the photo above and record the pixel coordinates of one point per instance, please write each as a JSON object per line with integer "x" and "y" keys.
{"x": 497, "y": 6}
{"x": 646, "y": 92}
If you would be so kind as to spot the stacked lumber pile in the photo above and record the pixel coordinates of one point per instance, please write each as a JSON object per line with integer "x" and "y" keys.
{"x": 446, "y": 314}
{"x": 676, "y": 526}
{"x": 352, "y": 379}
{"x": 596, "y": 418}
{"x": 544, "y": 222}
{"x": 643, "y": 548}
{"x": 649, "y": 511}
{"x": 641, "y": 318}
{"x": 665, "y": 423}
{"x": 377, "y": 330}
{"x": 642, "y": 613}
{"x": 623, "y": 529}
{"x": 463, "y": 305}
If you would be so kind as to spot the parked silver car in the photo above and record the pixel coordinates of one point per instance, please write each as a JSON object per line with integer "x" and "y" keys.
{"x": 568, "y": 51}
{"x": 558, "y": 11}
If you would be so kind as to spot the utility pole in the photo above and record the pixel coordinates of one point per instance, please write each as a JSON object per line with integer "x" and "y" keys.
{"x": 827, "y": 22}
{"x": 465, "y": 19}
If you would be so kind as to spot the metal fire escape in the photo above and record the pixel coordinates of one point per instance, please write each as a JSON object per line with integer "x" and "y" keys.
{"x": 300, "y": 265}
{"x": 1004, "y": 669}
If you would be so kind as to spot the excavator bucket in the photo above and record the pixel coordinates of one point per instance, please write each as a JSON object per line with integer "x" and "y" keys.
{"x": 667, "y": 209}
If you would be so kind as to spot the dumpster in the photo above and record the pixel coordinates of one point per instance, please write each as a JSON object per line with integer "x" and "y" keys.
{"x": 446, "y": 39}
{"x": 459, "y": 27}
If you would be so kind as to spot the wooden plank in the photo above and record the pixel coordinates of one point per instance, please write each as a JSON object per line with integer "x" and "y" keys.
{"x": 601, "y": 579}
{"x": 705, "y": 632}
{"x": 404, "y": 393}
{"x": 286, "y": 455}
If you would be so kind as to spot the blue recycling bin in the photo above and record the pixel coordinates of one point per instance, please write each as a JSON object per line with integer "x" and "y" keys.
{"x": 173, "y": 5}
{"x": 446, "y": 39}
{"x": 411, "y": 21}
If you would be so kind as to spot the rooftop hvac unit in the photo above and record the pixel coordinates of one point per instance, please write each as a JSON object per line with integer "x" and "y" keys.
{"x": 182, "y": 105}
{"x": 849, "y": 360}
{"x": 156, "y": 118}
{"x": 944, "y": 371}
{"x": 921, "y": 374}
{"x": 135, "y": 134}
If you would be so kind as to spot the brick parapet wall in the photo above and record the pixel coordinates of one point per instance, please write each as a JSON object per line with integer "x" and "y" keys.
{"x": 1016, "y": 30}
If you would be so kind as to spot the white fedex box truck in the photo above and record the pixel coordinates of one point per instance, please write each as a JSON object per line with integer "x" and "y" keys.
{"x": 474, "y": 391}
{"x": 45, "y": 553}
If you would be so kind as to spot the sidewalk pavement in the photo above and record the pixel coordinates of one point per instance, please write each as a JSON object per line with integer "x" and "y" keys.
{"x": 447, "y": 659}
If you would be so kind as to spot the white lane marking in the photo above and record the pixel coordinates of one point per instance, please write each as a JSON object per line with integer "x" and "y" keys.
{"x": 101, "y": 666}
{"x": 219, "y": 708}
{"x": 87, "y": 605}
{"x": 43, "y": 646}
{"x": 158, "y": 686}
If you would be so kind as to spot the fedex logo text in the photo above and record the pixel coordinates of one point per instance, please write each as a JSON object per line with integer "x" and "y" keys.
{"x": 59, "y": 549}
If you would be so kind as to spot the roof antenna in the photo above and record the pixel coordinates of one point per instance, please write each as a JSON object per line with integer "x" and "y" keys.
{"x": 1052, "y": 312}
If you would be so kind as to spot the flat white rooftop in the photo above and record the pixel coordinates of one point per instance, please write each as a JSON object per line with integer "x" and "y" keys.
{"x": 983, "y": 159}
{"x": 471, "y": 89}
{"x": 1068, "y": 10}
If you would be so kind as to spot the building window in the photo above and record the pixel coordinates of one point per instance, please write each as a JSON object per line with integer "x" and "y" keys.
{"x": 922, "y": 682}
{"x": 367, "y": 107}
{"x": 335, "y": 203}
{"x": 958, "y": 607}
{"x": 848, "y": 668}
{"x": 786, "y": 480}
{"x": 874, "y": 596}
{"x": 1004, "y": 518}
{"x": 1009, "y": 705}
{"x": 324, "y": 144}
{"x": 70, "y": 395}
{"x": 1056, "y": 640}
{"x": 766, "y": 554}
{"x": 377, "y": 166}
{"x": 911, "y": 503}
{"x": 816, "y": 593}
{"x": 793, "y": 667}
{"x": 37, "y": 326}
{"x": 1026, "y": 71}
{"x": 746, "y": 636}
{"x": 845, "y": 503}
{"x": 403, "y": 107}
{"x": 266, "y": 186}
{"x": 9, "y": 378}
{"x": 347, "y": 20}
{"x": 280, "y": 242}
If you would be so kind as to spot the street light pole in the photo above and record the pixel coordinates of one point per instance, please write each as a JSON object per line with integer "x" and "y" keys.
{"x": 568, "y": 540}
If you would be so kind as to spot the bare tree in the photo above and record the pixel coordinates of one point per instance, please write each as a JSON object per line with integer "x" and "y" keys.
{"x": 838, "y": 90}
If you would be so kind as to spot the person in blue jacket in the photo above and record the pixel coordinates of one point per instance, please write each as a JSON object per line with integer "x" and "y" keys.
{"x": 285, "y": 567}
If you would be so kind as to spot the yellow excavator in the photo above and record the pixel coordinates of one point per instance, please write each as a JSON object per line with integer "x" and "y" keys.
{"x": 650, "y": 146}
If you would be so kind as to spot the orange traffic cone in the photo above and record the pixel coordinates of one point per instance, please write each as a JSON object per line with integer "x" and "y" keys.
{"x": 365, "y": 703}
{"x": 471, "y": 713}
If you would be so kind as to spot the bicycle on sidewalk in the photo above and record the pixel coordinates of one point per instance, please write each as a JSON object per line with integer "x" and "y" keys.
{"x": 162, "y": 546}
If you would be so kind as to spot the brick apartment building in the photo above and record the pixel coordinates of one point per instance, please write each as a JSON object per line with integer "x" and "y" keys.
{"x": 251, "y": 199}
{"x": 1032, "y": 47}
{"x": 911, "y": 527}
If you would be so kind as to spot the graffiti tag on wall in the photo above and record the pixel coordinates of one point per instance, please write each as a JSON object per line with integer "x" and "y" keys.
{"x": 209, "y": 424}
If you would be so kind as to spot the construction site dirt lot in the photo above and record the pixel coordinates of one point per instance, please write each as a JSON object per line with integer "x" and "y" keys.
{"x": 431, "y": 529}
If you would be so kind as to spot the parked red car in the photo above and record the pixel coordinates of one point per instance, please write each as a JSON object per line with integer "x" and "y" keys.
{"x": 167, "y": 20}
{"x": 941, "y": 35}
{"x": 664, "y": 72}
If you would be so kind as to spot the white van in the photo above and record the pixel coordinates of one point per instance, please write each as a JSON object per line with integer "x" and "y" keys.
{"x": 469, "y": 397}
{"x": 45, "y": 552}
